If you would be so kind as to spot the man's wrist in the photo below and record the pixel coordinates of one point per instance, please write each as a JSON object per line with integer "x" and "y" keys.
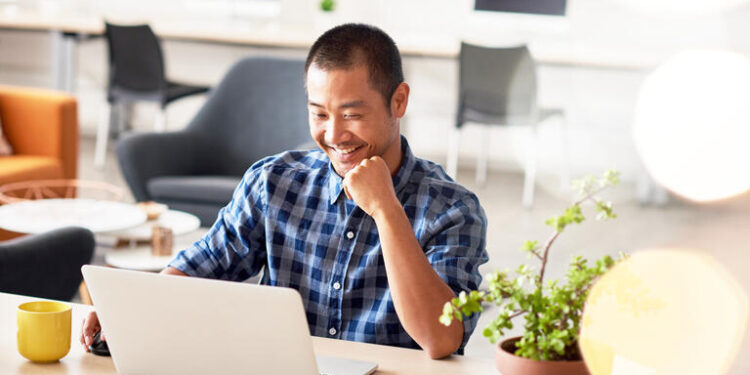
{"x": 388, "y": 211}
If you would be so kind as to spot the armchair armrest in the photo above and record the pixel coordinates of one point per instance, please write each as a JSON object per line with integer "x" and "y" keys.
{"x": 143, "y": 156}
{"x": 41, "y": 122}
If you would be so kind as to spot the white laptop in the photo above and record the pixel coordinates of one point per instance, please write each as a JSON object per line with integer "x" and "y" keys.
{"x": 161, "y": 324}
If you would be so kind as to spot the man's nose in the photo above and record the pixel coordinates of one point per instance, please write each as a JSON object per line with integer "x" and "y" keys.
{"x": 336, "y": 132}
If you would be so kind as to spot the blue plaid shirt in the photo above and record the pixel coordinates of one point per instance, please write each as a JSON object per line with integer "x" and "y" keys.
{"x": 290, "y": 217}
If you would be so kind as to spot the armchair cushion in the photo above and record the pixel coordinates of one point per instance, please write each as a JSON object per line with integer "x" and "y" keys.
{"x": 144, "y": 156}
{"x": 206, "y": 189}
{"x": 19, "y": 168}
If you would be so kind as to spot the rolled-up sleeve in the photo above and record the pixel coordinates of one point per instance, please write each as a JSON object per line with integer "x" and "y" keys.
{"x": 234, "y": 247}
{"x": 456, "y": 249}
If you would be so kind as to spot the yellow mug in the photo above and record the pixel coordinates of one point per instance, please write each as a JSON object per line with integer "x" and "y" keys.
{"x": 44, "y": 330}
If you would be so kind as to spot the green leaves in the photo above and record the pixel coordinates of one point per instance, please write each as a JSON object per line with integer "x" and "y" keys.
{"x": 605, "y": 210}
{"x": 530, "y": 246}
{"x": 612, "y": 177}
{"x": 552, "y": 312}
{"x": 463, "y": 305}
{"x": 572, "y": 215}
{"x": 590, "y": 185}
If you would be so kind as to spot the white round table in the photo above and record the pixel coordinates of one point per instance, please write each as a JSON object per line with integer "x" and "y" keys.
{"x": 42, "y": 215}
{"x": 178, "y": 221}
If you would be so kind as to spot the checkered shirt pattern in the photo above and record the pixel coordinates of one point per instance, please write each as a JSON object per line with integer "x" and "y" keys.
{"x": 290, "y": 217}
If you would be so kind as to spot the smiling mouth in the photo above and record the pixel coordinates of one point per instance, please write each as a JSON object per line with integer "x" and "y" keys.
{"x": 346, "y": 153}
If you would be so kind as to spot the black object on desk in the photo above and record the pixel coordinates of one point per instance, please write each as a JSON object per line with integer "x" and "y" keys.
{"x": 99, "y": 346}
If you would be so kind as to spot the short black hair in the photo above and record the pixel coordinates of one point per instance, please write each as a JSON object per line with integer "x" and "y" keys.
{"x": 351, "y": 44}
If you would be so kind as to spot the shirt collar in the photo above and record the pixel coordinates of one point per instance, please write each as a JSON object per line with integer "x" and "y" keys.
{"x": 400, "y": 179}
{"x": 335, "y": 184}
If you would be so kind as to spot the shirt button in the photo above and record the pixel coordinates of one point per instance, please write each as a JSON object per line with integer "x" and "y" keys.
{"x": 336, "y": 285}
{"x": 332, "y": 331}
{"x": 350, "y": 235}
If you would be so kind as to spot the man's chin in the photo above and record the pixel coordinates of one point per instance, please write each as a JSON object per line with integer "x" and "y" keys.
{"x": 343, "y": 168}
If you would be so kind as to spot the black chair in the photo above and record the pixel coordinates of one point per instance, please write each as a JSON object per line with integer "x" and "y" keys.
{"x": 258, "y": 109}
{"x": 46, "y": 265}
{"x": 497, "y": 86}
{"x": 136, "y": 73}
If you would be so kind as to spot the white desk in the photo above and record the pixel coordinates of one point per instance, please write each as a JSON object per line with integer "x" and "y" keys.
{"x": 391, "y": 360}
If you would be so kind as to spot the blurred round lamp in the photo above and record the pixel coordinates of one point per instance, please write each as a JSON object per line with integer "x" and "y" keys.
{"x": 664, "y": 312}
{"x": 692, "y": 124}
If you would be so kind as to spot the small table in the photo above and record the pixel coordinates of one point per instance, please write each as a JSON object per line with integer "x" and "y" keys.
{"x": 178, "y": 221}
{"x": 139, "y": 257}
{"x": 43, "y": 215}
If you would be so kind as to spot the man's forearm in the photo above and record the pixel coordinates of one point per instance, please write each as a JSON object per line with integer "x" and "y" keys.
{"x": 418, "y": 292}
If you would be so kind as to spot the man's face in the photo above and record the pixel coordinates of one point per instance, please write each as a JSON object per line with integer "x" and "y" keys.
{"x": 350, "y": 121}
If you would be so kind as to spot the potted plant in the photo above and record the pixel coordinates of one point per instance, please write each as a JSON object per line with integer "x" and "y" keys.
{"x": 552, "y": 309}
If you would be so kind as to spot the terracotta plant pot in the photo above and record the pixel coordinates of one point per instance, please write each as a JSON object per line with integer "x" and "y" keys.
{"x": 509, "y": 364}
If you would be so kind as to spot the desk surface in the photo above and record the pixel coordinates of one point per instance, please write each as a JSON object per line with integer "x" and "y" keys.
{"x": 391, "y": 360}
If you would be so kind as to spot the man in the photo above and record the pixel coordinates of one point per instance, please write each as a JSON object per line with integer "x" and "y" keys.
{"x": 374, "y": 239}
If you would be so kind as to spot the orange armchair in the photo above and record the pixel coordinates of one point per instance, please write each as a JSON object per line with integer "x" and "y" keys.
{"x": 42, "y": 127}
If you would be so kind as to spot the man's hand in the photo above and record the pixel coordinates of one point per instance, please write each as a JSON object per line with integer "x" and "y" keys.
{"x": 370, "y": 186}
{"x": 89, "y": 328}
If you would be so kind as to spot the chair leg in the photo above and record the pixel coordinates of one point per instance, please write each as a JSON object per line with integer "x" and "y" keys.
{"x": 530, "y": 169}
{"x": 102, "y": 136}
{"x": 484, "y": 145}
{"x": 160, "y": 126}
{"x": 452, "y": 162}
{"x": 122, "y": 118}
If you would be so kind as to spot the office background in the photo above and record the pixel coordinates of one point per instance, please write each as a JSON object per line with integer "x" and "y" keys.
{"x": 591, "y": 64}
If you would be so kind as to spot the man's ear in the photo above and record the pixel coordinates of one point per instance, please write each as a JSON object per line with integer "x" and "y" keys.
{"x": 400, "y": 100}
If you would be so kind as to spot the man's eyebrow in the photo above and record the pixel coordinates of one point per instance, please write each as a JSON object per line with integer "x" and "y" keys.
{"x": 353, "y": 104}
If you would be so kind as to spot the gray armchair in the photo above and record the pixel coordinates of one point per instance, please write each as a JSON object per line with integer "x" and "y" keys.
{"x": 258, "y": 109}
{"x": 46, "y": 265}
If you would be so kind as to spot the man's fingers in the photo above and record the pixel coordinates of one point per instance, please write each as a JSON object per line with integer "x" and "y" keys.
{"x": 89, "y": 327}
{"x": 83, "y": 341}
